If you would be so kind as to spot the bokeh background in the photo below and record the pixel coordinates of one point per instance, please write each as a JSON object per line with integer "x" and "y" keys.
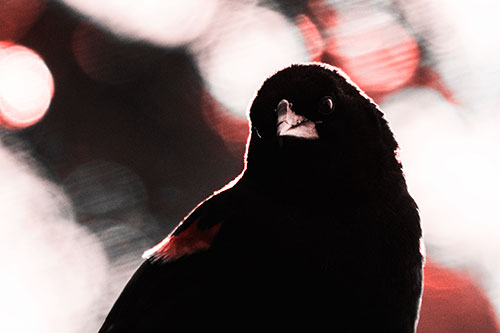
{"x": 118, "y": 117}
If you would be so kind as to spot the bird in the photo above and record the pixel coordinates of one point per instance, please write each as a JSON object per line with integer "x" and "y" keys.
{"x": 318, "y": 232}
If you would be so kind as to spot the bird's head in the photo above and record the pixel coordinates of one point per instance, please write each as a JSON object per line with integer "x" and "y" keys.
{"x": 310, "y": 120}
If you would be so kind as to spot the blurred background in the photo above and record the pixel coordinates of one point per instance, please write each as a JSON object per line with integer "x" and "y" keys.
{"x": 118, "y": 117}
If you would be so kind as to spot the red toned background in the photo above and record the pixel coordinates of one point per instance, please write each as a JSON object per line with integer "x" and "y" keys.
{"x": 117, "y": 118}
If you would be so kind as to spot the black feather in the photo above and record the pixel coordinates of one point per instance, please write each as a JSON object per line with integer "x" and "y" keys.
{"x": 315, "y": 234}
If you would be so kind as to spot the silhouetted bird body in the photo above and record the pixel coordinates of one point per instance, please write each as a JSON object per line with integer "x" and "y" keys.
{"x": 318, "y": 232}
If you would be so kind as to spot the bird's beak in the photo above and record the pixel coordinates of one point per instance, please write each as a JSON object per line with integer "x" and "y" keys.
{"x": 292, "y": 124}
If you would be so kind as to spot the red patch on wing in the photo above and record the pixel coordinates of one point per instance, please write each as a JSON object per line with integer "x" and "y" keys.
{"x": 189, "y": 241}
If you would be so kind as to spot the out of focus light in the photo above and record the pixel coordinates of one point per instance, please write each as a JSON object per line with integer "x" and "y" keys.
{"x": 26, "y": 86}
{"x": 101, "y": 187}
{"x": 17, "y": 305}
{"x": 374, "y": 49}
{"x": 323, "y": 13}
{"x": 452, "y": 172}
{"x": 459, "y": 39}
{"x": 232, "y": 128}
{"x": 105, "y": 59}
{"x": 166, "y": 23}
{"x": 477, "y": 46}
{"x": 247, "y": 45}
{"x": 312, "y": 37}
{"x": 53, "y": 270}
{"x": 110, "y": 197}
{"x": 471, "y": 20}
{"x": 17, "y": 17}
{"x": 124, "y": 245}
{"x": 453, "y": 302}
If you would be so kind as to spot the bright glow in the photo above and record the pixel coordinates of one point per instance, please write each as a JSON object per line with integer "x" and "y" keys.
{"x": 477, "y": 49}
{"x": 374, "y": 49}
{"x": 26, "y": 86}
{"x": 17, "y": 305}
{"x": 53, "y": 270}
{"x": 452, "y": 172}
{"x": 163, "y": 22}
{"x": 473, "y": 19}
{"x": 248, "y": 44}
{"x": 461, "y": 40}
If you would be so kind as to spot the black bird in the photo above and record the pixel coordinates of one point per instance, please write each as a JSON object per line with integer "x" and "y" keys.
{"x": 317, "y": 233}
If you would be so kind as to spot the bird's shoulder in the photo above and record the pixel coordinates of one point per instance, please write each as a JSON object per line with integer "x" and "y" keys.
{"x": 198, "y": 230}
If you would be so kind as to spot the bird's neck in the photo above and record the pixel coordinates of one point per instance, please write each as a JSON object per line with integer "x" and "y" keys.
{"x": 305, "y": 171}
{"x": 295, "y": 183}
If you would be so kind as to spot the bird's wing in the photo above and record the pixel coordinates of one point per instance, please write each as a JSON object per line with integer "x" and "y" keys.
{"x": 159, "y": 287}
{"x": 192, "y": 235}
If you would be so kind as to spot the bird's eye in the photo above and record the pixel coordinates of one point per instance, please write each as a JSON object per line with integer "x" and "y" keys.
{"x": 326, "y": 105}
